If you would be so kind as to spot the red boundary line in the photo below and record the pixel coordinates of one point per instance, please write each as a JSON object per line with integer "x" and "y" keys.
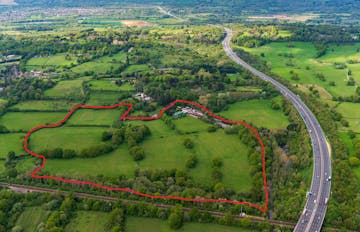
{"x": 126, "y": 116}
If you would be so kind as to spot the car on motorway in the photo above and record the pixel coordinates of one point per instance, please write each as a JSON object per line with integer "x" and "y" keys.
{"x": 326, "y": 201}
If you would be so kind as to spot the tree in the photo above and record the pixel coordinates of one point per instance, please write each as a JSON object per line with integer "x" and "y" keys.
{"x": 216, "y": 162}
{"x": 117, "y": 220}
{"x": 188, "y": 143}
{"x": 176, "y": 218}
{"x": 106, "y": 136}
{"x": 69, "y": 153}
{"x": 191, "y": 162}
{"x": 12, "y": 172}
{"x": 354, "y": 161}
{"x": 137, "y": 153}
{"x": 212, "y": 129}
{"x": 11, "y": 156}
{"x": 194, "y": 214}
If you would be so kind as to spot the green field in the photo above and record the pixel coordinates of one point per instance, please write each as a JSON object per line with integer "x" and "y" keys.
{"x": 95, "y": 117}
{"x": 45, "y": 105}
{"x": 110, "y": 86}
{"x": 189, "y": 125}
{"x": 114, "y": 164}
{"x": 11, "y": 142}
{"x": 351, "y": 112}
{"x": 88, "y": 221}
{"x": 258, "y": 112}
{"x": 31, "y": 218}
{"x": 54, "y": 60}
{"x": 69, "y": 89}
{"x": 164, "y": 149}
{"x": 304, "y": 63}
{"x": 136, "y": 68}
{"x": 139, "y": 224}
{"x": 28, "y": 120}
{"x": 102, "y": 64}
{"x": 103, "y": 99}
{"x": 76, "y": 138}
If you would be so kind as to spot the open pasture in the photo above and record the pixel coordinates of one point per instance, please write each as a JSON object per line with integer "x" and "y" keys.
{"x": 46, "y": 105}
{"x": 11, "y": 142}
{"x": 300, "y": 58}
{"x": 164, "y": 150}
{"x": 88, "y": 221}
{"x": 66, "y": 89}
{"x": 95, "y": 117}
{"x": 75, "y": 138}
{"x": 351, "y": 112}
{"x": 103, "y": 98}
{"x": 257, "y": 112}
{"x": 102, "y": 64}
{"x": 109, "y": 85}
{"x": 31, "y": 218}
{"x": 27, "y": 120}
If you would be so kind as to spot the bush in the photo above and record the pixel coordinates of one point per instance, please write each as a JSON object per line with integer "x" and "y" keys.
{"x": 231, "y": 130}
{"x": 176, "y": 218}
{"x": 344, "y": 123}
{"x": 216, "y": 174}
{"x": 137, "y": 153}
{"x": 191, "y": 162}
{"x": 68, "y": 154}
{"x": 106, "y": 136}
{"x": 354, "y": 161}
{"x": 212, "y": 129}
{"x": 188, "y": 143}
{"x": 216, "y": 162}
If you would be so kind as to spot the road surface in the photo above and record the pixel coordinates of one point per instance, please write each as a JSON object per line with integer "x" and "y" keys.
{"x": 168, "y": 13}
{"x": 313, "y": 215}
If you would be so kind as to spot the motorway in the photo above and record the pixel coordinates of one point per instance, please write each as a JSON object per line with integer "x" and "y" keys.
{"x": 312, "y": 216}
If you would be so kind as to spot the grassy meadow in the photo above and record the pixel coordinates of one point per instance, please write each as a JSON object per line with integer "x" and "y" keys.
{"x": 76, "y": 138}
{"x": 31, "y": 218}
{"x": 109, "y": 85}
{"x": 102, "y": 64}
{"x": 299, "y": 57}
{"x": 44, "y": 105}
{"x": 11, "y": 142}
{"x": 257, "y": 112}
{"x": 72, "y": 89}
{"x": 351, "y": 112}
{"x": 27, "y": 120}
{"x": 57, "y": 60}
{"x": 103, "y": 98}
{"x": 163, "y": 149}
{"x": 88, "y": 221}
{"x": 95, "y": 117}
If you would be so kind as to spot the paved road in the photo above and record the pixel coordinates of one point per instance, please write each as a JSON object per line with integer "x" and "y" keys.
{"x": 313, "y": 215}
{"x": 168, "y": 13}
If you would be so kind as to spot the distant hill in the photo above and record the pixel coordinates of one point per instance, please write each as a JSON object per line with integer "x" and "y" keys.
{"x": 233, "y": 7}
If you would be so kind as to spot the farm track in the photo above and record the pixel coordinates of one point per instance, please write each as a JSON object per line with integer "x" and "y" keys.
{"x": 125, "y": 117}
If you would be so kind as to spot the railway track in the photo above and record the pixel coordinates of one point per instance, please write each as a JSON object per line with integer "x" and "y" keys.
{"x": 26, "y": 188}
